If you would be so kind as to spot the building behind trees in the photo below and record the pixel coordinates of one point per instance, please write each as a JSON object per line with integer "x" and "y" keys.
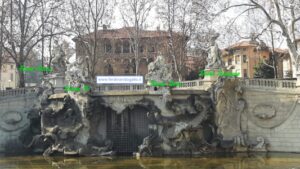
{"x": 116, "y": 53}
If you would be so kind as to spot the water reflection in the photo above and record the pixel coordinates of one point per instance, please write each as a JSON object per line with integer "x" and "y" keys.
{"x": 239, "y": 162}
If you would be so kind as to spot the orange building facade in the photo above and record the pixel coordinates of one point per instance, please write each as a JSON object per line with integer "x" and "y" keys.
{"x": 243, "y": 56}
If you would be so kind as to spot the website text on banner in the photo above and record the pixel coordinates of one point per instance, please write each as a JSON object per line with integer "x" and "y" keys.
{"x": 120, "y": 80}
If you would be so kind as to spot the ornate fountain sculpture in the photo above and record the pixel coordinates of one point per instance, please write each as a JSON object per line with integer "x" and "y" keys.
{"x": 77, "y": 74}
{"x": 159, "y": 70}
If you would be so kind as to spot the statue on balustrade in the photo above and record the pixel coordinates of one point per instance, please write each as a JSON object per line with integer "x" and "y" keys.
{"x": 59, "y": 61}
{"x": 159, "y": 70}
{"x": 214, "y": 54}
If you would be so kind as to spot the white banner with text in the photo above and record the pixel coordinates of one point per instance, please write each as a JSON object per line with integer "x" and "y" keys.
{"x": 120, "y": 79}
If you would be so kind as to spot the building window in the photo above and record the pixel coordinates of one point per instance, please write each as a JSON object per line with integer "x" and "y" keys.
{"x": 11, "y": 67}
{"x": 141, "y": 49}
{"x": 244, "y": 59}
{"x": 229, "y": 61}
{"x": 11, "y": 77}
{"x": 108, "y": 47}
{"x": 118, "y": 47}
{"x": 151, "y": 49}
{"x": 245, "y": 73}
{"x": 4, "y": 68}
{"x": 126, "y": 47}
{"x": 264, "y": 57}
{"x": 237, "y": 59}
{"x": 109, "y": 69}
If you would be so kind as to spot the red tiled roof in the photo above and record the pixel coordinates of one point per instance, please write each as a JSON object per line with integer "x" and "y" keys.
{"x": 124, "y": 33}
{"x": 251, "y": 44}
{"x": 243, "y": 44}
{"x": 278, "y": 50}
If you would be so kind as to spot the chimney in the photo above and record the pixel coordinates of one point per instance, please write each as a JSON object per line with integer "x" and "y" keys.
{"x": 158, "y": 28}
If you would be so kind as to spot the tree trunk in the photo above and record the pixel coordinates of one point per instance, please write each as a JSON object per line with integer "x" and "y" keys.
{"x": 21, "y": 83}
{"x": 273, "y": 55}
{"x": 171, "y": 43}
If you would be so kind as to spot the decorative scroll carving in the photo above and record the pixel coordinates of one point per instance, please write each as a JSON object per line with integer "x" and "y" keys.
{"x": 12, "y": 121}
{"x": 264, "y": 112}
{"x": 229, "y": 108}
{"x": 272, "y": 113}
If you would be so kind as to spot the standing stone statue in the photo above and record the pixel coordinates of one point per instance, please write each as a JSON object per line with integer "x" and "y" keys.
{"x": 214, "y": 54}
{"x": 58, "y": 62}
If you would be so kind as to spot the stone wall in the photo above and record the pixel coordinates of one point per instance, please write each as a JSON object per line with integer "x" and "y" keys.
{"x": 14, "y": 120}
{"x": 233, "y": 116}
{"x": 274, "y": 116}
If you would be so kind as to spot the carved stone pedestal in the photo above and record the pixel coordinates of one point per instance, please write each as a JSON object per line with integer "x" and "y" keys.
{"x": 211, "y": 78}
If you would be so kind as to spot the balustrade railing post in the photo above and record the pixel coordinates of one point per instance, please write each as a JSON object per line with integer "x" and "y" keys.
{"x": 130, "y": 87}
{"x": 247, "y": 82}
{"x": 280, "y": 84}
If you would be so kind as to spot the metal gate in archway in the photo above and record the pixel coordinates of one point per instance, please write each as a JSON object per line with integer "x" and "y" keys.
{"x": 127, "y": 130}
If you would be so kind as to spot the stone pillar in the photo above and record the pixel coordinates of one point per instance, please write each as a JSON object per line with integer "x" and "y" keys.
{"x": 280, "y": 84}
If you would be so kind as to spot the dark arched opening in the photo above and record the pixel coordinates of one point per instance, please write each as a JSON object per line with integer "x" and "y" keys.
{"x": 128, "y": 129}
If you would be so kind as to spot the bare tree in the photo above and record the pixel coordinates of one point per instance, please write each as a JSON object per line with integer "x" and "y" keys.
{"x": 167, "y": 11}
{"x": 185, "y": 19}
{"x": 23, "y": 30}
{"x": 284, "y": 15}
{"x": 3, "y": 11}
{"x": 268, "y": 35}
{"x": 53, "y": 25}
{"x": 135, "y": 13}
{"x": 87, "y": 18}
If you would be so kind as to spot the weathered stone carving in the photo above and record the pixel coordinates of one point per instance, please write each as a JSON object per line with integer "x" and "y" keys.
{"x": 214, "y": 56}
{"x": 270, "y": 113}
{"x": 229, "y": 109}
{"x": 264, "y": 112}
{"x": 159, "y": 70}
{"x": 76, "y": 73}
{"x": 64, "y": 129}
{"x": 182, "y": 133}
{"x": 12, "y": 121}
{"x": 58, "y": 63}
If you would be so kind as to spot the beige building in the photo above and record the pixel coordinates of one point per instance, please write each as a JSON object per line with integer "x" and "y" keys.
{"x": 243, "y": 56}
{"x": 8, "y": 75}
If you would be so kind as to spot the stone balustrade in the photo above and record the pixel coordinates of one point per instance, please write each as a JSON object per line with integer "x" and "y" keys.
{"x": 184, "y": 84}
{"x": 268, "y": 83}
{"x": 251, "y": 83}
{"x": 103, "y": 88}
{"x": 187, "y": 84}
{"x": 17, "y": 92}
